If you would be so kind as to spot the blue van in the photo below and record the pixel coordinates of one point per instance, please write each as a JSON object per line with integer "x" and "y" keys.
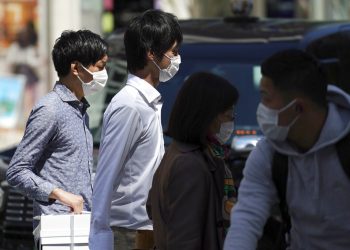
{"x": 233, "y": 48}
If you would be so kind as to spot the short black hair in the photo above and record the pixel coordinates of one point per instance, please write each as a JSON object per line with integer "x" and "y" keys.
{"x": 294, "y": 71}
{"x": 153, "y": 30}
{"x": 201, "y": 98}
{"x": 82, "y": 45}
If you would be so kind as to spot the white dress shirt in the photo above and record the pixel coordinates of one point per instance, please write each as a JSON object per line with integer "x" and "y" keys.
{"x": 131, "y": 149}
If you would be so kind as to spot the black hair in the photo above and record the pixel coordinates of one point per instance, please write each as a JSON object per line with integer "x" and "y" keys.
{"x": 153, "y": 30}
{"x": 83, "y": 46}
{"x": 202, "y": 97}
{"x": 296, "y": 72}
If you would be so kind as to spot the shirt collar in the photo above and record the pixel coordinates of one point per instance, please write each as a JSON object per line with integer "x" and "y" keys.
{"x": 147, "y": 90}
{"x": 67, "y": 96}
{"x": 64, "y": 93}
{"x": 86, "y": 105}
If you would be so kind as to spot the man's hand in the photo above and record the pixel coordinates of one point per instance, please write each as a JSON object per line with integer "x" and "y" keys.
{"x": 75, "y": 202}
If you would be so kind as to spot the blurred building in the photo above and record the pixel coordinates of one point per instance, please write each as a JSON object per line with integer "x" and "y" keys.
{"x": 14, "y": 14}
{"x": 51, "y": 17}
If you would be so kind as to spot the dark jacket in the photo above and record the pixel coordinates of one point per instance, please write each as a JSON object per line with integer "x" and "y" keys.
{"x": 185, "y": 201}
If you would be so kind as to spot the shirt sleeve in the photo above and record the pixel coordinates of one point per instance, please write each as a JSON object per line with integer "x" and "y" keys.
{"x": 186, "y": 194}
{"x": 22, "y": 174}
{"x": 122, "y": 128}
{"x": 256, "y": 196}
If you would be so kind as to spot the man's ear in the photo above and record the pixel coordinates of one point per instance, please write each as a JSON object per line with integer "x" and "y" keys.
{"x": 150, "y": 55}
{"x": 74, "y": 68}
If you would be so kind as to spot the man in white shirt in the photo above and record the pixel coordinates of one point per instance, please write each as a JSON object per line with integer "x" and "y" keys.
{"x": 132, "y": 143}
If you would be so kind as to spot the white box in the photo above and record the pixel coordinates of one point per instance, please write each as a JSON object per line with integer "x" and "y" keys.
{"x": 65, "y": 232}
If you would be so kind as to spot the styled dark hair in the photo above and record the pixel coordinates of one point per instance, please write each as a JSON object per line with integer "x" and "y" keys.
{"x": 296, "y": 72}
{"x": 82, "y": 45}
{"x": 202, "y": 97}
{"x": 155, "y": 31}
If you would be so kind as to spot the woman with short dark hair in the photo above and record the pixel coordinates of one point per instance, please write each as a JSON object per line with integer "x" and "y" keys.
{"x": 192, "y": 190}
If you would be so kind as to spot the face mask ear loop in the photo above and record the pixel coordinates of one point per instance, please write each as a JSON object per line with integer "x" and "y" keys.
{"x": 287, "y": 106}
{"x": 82, "y": 82}
{"x": 171, "y": 62}
{"x": 294, "y": 121}
{"x": 156, "y": 65}
{"x": 86, "y": 69}
{"x": 171, "y": 58}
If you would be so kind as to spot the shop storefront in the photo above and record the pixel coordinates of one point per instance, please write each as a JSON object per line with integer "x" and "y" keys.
{"x": 14, "y": 16}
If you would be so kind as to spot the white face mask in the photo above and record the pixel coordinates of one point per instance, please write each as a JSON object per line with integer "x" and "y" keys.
{"x": 226, "y": 130}
{"x": 171, "y": 70}
{"x": 268, "y": 122}
{"x": 99, "y": 80}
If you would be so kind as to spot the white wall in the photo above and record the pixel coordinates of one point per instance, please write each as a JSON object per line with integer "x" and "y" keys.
{"x": 62, "y": 15}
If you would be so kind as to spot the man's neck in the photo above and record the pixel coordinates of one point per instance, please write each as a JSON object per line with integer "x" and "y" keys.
{"x": 72, "y": 86}
{"x": 147, "y": 76}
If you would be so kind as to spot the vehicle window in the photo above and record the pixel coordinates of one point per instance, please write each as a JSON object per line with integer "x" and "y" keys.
{"x": 245, "y": 77}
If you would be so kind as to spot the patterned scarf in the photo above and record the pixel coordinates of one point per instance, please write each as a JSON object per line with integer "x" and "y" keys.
{"x": 230, "y": 193}
{"x": 217, "y": 149}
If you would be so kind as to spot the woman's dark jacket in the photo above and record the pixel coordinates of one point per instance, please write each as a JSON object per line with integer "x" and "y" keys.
{"x": 185, "y": 201}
